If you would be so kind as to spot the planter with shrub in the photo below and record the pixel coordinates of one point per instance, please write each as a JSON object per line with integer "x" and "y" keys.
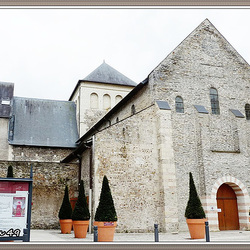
{"x": 194, "y": 213}
{"x": 81, "y": 215}
{"x": 105, "y": 217}
{"x": 65, "y": 213}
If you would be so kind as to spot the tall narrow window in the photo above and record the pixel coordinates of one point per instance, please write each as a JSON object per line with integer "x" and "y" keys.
{"x": 118, "y": 98}
{"x": 94, "y": 101}
{"x": 247, "y": 111}
{"x": 214, "y": 101}
{"x": 106, "y": 102}
{"x": 133, "y": 109}
{"x": 179, "y": 106}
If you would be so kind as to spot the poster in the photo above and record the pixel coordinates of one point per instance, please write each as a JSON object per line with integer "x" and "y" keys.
{"x": 13, "y": 207}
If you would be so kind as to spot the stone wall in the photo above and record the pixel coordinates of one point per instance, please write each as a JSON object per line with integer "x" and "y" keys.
{"x": 5, "y": 148}
{"x": 127, "y": 154}
{"x": 40, "y": 154}
{"x": 49, "y": 180}
{"x": 210, "y": 146}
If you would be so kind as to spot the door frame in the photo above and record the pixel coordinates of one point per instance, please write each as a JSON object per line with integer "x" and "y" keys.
{"x": 210, "y": 203}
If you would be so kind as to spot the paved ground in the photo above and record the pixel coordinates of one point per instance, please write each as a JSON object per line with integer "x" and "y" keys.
{"x": 182, "y": 237}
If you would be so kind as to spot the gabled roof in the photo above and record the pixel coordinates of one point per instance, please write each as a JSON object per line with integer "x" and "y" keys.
{"x": 6, "y": 96}
{"x": 38, "y": 122}
{"x": 208, "y": 26}
{"x": 107, "y": 75}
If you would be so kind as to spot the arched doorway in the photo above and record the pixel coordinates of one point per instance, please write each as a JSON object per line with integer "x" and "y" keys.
{"x": 227, "y": 202}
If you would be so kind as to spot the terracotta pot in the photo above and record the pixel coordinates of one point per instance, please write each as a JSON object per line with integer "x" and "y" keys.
{"x": 196, "y": 228}
{"x": 80, "y": 228}
{"x": 106, "y": 230}
{"x": 66, "y": 226}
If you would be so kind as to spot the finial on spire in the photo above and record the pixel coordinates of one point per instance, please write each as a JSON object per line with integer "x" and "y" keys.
{"x": 103, "y": 60}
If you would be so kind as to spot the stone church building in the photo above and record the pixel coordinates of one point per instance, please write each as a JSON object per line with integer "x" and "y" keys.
{"x": 40, "y": 133}
{"x": 191, "y": 114}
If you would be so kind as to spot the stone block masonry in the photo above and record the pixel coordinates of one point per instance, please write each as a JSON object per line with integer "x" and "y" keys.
{"x": 49, "y": 180}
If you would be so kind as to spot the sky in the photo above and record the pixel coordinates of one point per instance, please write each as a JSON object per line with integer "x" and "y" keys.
{"x": 45, "y": 51}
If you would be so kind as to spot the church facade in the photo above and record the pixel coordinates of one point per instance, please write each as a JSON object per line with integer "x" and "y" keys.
{"x": 191, "y": 114}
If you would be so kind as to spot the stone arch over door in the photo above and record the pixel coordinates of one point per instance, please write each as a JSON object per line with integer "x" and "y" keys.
{"x": 242, "y": 202}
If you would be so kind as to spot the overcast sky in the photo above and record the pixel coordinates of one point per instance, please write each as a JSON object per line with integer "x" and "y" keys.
{"x": 44, "y": 52}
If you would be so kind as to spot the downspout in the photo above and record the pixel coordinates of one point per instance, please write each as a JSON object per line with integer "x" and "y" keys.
{"x": 91, "y": 156}
{"x": 79, "y": 168}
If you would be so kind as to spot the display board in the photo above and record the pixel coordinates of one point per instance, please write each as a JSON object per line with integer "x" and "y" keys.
{"x": 15, "y": 208}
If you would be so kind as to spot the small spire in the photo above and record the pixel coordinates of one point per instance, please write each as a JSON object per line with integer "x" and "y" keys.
{"x": 103, "y": 60}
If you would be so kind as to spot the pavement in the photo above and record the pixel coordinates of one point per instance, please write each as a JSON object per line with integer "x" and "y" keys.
{"x": 229, "y": 236}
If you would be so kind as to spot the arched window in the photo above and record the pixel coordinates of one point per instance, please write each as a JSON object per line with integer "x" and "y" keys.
{"x": 94, "y": 101}
{"x": 106, "y": 102}
{"x": 117, "y": 119}
{"x": 179, "y": 106}
{"x": 118, "y": 98}
{"x": 133, "y": 109}
{"x": 214, "y": 101}
{"x": 247, "y": 111}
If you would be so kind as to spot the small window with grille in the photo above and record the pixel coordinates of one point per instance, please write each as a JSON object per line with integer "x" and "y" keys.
{"x": 179, "y": 106}
{"x": 215, "y": 107}
{"x": 247, "y": 111}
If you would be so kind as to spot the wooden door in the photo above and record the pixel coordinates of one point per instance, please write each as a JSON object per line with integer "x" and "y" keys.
{"x": 227, "y": 202}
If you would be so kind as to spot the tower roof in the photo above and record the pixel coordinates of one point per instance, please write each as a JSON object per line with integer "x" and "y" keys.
{"x": 106, "y": 74}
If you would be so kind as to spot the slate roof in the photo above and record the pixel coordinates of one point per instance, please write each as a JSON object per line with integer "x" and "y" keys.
{"x": 106, "y": 74}
{"x": 38, "y": 122}
{"x": 6, "y": 96}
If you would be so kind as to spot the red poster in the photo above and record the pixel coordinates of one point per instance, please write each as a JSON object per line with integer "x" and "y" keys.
{"x": 18, "y": 207}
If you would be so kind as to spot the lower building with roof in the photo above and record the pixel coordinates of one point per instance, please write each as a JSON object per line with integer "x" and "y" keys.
{"x": 40, "y": 133}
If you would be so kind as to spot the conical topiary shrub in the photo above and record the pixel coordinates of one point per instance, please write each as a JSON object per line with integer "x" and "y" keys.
{"x": 194, "y": 213}
{"x": 10, "y": 172}
{"x": 81, "y": 215}
{"x": 81, "y": 211}
{"x": 65, "y": 213}
{"x": 106, "y": 209}
{"x": 105, "y": 217}
{"x": 194, "y": 209}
